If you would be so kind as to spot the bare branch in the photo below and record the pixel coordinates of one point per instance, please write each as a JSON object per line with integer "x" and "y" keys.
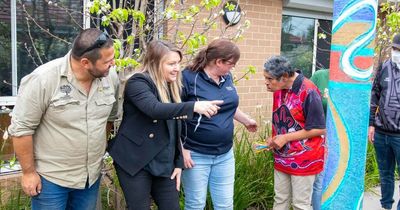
{"x": 43, "y": 29}
{"x": 33, "y": 43}
{"x": 30, "y": 55}
{"x": 69, "y": 12}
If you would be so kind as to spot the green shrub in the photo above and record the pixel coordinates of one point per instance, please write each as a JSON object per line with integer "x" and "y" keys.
{"x": 13, "y": 197}
{"x": 371, "y": 169}
{"x": 254, "y": 175}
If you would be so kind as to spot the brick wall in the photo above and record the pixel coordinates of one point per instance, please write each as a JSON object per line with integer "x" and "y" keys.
{"x": 259, "y": 42}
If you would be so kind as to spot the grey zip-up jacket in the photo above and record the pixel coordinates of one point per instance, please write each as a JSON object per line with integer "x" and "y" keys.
{"x": 385, "y": 99}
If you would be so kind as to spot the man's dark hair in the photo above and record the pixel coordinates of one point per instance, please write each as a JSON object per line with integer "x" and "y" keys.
{"x": 88, "y": 44}
{"x": 277, "y": 66}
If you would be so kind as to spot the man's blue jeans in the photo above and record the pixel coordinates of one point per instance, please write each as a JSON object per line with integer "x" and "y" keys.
{"x": 215, "y": 171}
{"x": 317, "y": 191}
{"x": 55, "y": 197}
{"x": 387, "y": 150}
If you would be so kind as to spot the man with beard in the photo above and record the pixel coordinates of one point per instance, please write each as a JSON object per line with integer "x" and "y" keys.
{"x": 58, "y": 124}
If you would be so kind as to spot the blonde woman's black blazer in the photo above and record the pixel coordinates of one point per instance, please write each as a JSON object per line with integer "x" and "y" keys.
{"x": 143, "y": 132}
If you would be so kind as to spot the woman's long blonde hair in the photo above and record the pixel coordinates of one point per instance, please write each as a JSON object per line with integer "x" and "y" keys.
{"x": 155, "y": 56}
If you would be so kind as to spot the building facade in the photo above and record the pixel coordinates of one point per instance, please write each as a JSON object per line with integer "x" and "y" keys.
{"x": 298, "y": 29}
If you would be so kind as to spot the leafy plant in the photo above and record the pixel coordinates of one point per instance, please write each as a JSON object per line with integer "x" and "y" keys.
{"x": 371, "y": 169}
{"x": 388, "y": 24}
{"x": 12, "y": 197}
{"x": 254, "y": 174}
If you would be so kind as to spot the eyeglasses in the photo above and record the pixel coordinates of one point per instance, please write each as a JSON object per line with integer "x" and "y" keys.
{"x": 232, "y": 63}
{"x": 100, "y": 41}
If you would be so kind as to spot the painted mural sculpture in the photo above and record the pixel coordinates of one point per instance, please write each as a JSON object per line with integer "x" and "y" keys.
{"x": 351, "y": 66}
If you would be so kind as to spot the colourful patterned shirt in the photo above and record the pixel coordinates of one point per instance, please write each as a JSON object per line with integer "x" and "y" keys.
{"x": 295, "y": 109}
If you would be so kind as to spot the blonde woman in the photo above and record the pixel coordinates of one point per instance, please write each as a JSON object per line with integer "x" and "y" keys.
{"x": 147, "y": 150}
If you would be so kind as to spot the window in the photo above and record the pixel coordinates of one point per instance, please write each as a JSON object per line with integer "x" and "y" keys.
{"x": 5, "y": 49}
{"x": 302, "y": 46}
{"x": 25, "y": 44}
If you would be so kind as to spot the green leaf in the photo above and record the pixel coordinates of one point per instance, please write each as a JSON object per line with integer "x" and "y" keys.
{"x": 130, "y": 39}
{"x": 170, "y": 14}
{"x": 251, "y": 69}
{"x": 127, "y": 62}
{"x": 194, "y": 9}
{"x": 210, "y": 4}
{"x": 120, "y": 15}
{"x": 139, "y": 17}
{"x": 105, "y": 21}
{"x": 136, "y": 52}
{"x": 230, "y": 6}
{"x": 12, "y": 161}
{"x": 117, "y": 47}
{"x": 95, "y": 7}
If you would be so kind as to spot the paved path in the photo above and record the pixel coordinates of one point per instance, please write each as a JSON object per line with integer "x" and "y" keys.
{"x": 372, "y": 197}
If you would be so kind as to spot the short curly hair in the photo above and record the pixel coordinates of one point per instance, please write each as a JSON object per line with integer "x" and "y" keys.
{"x": 277, "y": 66}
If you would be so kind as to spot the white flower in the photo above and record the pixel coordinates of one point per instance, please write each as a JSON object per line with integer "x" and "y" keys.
{"x": 89, "y": 4}
{"x": 104, "y": 8}
{"x": 5, "y": 135}
{"x": 168, "y": 14}
{"x": 266, "y": 122}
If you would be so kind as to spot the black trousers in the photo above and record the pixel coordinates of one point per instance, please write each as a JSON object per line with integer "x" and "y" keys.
{"x": 138, "y": 189}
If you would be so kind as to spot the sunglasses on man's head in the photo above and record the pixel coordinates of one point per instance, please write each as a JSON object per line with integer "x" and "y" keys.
{"x": 100, "y": 41}
{"x": 395, "y": 48}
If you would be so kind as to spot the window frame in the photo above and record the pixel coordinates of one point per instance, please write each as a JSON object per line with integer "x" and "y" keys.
{"x": 316, "y": 15}
{"x": 10, "y": 100}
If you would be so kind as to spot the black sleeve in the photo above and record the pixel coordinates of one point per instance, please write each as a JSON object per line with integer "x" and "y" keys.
{"x": 375, "y": 95}
{"x": 184, "y": 93}
{"x": 139, "y": 92}
{"x": 313, "y": 111}
{"x": 178, "y": 161}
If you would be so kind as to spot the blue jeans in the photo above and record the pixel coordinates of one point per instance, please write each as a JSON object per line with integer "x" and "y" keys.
{"x": 317, "y": 191}
{"x": 55, "y": 197}
{"x": 215, "y": 171}
{"x": 387, "y": 150}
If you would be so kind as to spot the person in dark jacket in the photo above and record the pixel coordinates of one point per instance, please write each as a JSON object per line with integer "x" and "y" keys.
{"x": 147, "y": 150}
{"x": 384, "y": 122}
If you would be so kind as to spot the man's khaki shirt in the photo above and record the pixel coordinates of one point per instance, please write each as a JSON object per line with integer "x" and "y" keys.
{"x": 67, "y": 124}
